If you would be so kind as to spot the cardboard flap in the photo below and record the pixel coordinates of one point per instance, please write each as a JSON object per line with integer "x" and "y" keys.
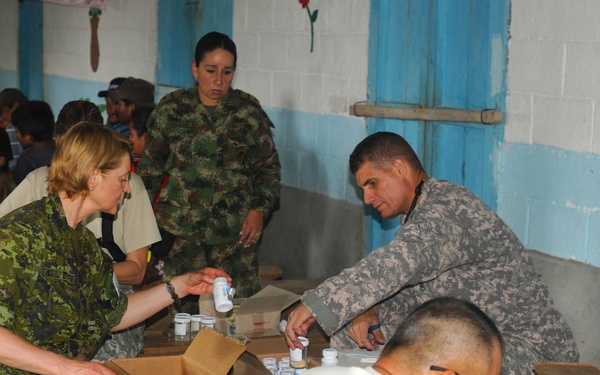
{"x": 262, "y": 304}
{"x": 149, "y": 366}
{"x": 248, "y": 364}
{"x": 211, "y": 353}
{"x": 281, "y": 300}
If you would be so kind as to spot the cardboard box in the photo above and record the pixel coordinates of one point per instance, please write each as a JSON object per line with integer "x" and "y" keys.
{"x": 257, "y": 316}
{"x": 211, "y": 353}
{"x": 563, "y": 368}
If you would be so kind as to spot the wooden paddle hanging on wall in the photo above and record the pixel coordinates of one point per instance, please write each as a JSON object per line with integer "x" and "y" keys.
{"x": 94, "y": 14}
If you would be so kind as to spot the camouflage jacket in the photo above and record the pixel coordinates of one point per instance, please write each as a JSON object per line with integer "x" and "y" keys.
{"x": 453, "y": 244}
{"x": 56, "y": 284}
{"x": 220, "y": 164}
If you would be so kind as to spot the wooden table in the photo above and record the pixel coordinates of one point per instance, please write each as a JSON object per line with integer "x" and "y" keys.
{"x": 159, "y": 339}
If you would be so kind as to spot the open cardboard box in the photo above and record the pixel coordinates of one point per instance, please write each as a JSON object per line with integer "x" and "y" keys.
{"x": 256, "y": 316}
{"x": 563, "y": 368}
{"x": 211, "y": 353}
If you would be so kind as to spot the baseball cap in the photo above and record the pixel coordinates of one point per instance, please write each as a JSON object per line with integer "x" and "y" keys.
{"x": 114, "y": 84}
{"x": 11, "y": 96}
{"x": 136, "y": 90}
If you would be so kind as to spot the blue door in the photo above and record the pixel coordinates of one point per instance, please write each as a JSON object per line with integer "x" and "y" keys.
{"x": 180, "y": 25}
{"x": 440, "y": 54}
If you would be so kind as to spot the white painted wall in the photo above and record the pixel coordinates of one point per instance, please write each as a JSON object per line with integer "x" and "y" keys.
{"x": 554, "y": 74}
{"x": 549, "y": 170}
{"x": 127, "y": 36}
{"x": 9, "y": 28}
{"x": 275, "y": 62}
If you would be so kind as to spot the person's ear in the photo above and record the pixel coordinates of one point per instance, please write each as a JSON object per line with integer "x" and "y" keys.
{"x": 2, "y": 161}
{"x": 93, "y": 180}
{"x": 194, "y": 70}
{"x": 400, "y": 166}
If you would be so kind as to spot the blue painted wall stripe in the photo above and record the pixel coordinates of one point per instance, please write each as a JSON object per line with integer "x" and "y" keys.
{"x": 31, "y": 15}
{"x": 555, "y": 213}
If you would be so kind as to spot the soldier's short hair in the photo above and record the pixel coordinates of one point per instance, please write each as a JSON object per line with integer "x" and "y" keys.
{"x": 213, "y": 41}
{"x": 445, "y": 329}
{"x": 85, "y": 148}
{"x": 381, "y": 149}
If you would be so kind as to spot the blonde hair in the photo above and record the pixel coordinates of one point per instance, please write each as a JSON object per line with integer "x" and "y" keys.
{"x": 85, "y": 148}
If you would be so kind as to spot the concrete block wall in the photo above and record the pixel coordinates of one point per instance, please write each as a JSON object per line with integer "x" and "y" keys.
{"x": 318, "y": 229}
{"x": 307, "y": 95}
{"x": 9, "y": 28}
{"x": 549, "y": 170}
{"x": 128, "y": 41}
{"x": 127, "y": 37}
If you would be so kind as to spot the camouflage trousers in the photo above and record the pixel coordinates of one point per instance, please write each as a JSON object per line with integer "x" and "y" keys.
{"x": 128, "y": 343}
{"x": 191, "y": 254}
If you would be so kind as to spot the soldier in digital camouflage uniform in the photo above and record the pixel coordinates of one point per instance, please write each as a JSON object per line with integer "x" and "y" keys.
{"x": 56, "y": 293}
{"x": 134, "y": 228}
{"x": 450, "y": 244}
{"x": 216, "y": 146}
{"x": 59, "y": 295}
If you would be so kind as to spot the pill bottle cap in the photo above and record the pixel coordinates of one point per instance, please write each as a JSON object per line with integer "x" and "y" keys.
{"x": 197, "y": 317}
{"x": 224, "y": 306}
{"x": 330, "y": 353}
{"x": 182, "y": 318}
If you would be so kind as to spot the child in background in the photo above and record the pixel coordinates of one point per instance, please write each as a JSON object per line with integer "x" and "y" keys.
{"x": 137, "y": 130}
{"x": 34, "y": 122}
{"x": 11, "y": 99}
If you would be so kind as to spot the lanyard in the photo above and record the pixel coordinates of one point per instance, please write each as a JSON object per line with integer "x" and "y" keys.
{"x": 414, "y": 202}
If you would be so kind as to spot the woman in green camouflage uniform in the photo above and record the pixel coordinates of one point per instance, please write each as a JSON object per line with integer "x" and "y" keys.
{"x": 216, "y": 146}
{"x": 59, "y": 296}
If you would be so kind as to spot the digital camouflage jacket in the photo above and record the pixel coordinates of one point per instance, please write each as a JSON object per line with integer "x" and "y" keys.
{"x": 57, "y": 289}
{"x": 221, "y": 163}
{"x": 452, "y": 245}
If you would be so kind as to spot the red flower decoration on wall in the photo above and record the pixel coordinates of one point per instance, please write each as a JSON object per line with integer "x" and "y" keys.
{"x": 312, "y": 17}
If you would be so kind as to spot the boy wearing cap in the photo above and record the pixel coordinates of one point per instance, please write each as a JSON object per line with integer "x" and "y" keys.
{"x": 11, "y": 99}
{"x": 131, "y": 94}
{"x": 111, "y": 109}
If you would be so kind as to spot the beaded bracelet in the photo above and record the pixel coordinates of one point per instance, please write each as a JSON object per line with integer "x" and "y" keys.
{"x": 173, "y": 294}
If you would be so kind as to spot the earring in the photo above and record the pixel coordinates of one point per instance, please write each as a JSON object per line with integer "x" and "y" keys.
{"x": 91, "y": 189}
{"x": 196, "y": 78}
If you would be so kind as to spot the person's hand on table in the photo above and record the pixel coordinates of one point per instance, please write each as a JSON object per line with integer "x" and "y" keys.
{"x": 299, "y": 321}
{"x": 251, "y": 228}
{"x": 362, "y": 326}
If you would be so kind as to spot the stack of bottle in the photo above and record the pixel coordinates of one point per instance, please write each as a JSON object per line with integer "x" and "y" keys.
{"x": 281, "y": 367}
